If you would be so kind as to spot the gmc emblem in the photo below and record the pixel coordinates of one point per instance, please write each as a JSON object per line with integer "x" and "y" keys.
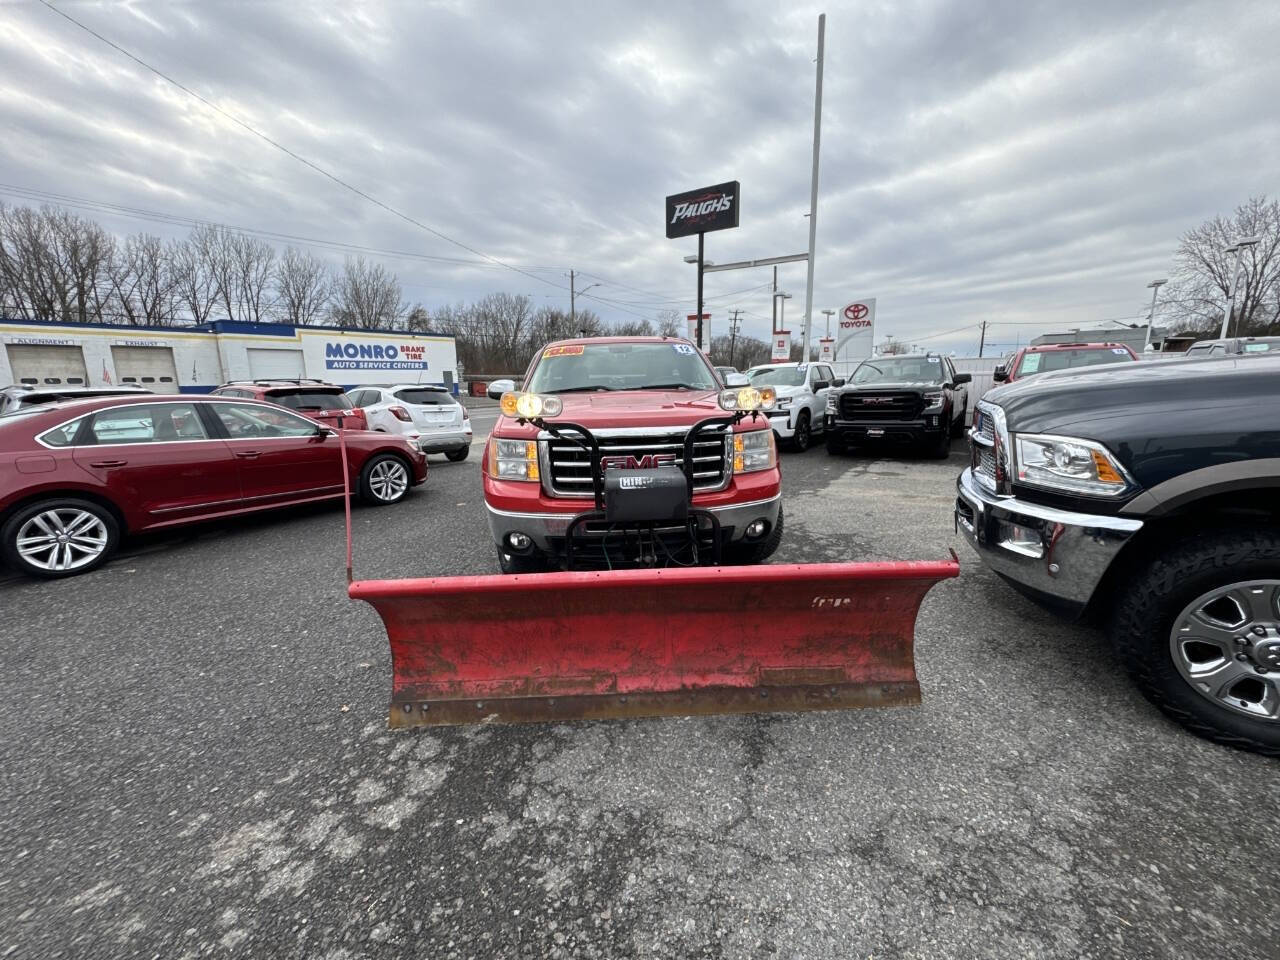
{"x": 877, "y": 399}
{"x": 647, "y": 462}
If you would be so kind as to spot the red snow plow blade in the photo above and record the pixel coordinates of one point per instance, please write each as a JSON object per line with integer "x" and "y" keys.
{"x": 701, "y": 640}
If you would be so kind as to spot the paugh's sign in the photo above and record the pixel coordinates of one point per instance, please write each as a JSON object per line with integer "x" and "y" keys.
{"x": 704, "y": 210}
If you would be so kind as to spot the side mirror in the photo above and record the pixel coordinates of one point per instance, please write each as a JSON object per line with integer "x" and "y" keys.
{"x": 1000, "y": 375}
{"x": 736, "y": 380}
{"x": 497, "y": 388}
{"x": 820, "y": 385}
{"x": 963, "y": 378}
{"x": 839, "y": 382}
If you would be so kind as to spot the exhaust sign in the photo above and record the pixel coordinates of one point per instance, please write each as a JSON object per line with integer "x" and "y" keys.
{"x": 704, "y": 210}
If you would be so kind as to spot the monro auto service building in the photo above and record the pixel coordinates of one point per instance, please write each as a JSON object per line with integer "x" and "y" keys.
{"x": 196, "y": 359}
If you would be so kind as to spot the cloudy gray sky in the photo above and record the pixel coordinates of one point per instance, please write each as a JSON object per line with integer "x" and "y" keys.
{"x": 1027, "y": 163}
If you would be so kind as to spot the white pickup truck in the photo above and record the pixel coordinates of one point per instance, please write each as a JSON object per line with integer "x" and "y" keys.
{"x": 802, "y": 398}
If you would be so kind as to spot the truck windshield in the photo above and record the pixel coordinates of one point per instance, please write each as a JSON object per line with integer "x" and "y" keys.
{"x": 621, "y": 366}
{"x": 1066, "y": 359}
{"x": 776, "y": 376}
{"x": 899, "y": 370}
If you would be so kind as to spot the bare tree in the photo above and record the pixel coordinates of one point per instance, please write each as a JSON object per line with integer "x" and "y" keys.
{"x": 240, "y": 267}
{"x": 1202, "y": 277}
{"x": 366, "y": 296}
{"x": 741, "y": 352}
{"x": 143, "y": 282}
{"x": 302, "y": 287}
{"x": 54, "y": 265}
{"x": 670, "y": 323}
{"x": 890, "y": 347}
{"x": 195, "y": 288}
{"x": 632, "y": 328}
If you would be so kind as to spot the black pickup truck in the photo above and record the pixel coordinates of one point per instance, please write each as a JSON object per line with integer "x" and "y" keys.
{"x": 902, "y": 399}
{"x": 1146, "y": 496}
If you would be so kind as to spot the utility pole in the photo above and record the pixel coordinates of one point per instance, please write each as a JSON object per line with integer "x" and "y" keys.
{"x": 1155, "y": 286}
{"x": 573, "y": 309}
{"x": 982, "y": 341}
{"x": 733, "y": 334}
{"x": 775, "y": 300}
{"x": 813, "y": 182}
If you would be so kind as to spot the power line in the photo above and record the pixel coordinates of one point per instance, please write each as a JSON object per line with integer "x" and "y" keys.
{"x": 296, "y": 156}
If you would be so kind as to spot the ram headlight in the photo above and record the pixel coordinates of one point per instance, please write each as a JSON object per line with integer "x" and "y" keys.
{"x": 513, "y": 459}
{"x": 754, "y": 450}
{"x": 1068, "y": 465}
{"x": 526, "y": 406}
{"x": 748, "y": 398}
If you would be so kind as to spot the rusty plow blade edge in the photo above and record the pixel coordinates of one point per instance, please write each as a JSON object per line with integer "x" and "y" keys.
{"x": 704, "y": 640}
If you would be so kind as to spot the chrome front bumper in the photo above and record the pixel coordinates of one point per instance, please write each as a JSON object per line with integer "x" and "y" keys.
{"x": 541, "y": 526}
{"x": 1056, "y": 554}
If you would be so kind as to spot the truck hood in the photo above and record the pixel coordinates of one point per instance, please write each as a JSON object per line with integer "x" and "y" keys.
{"x": 629, "y": 408}
{"x": 1159, "y": 419}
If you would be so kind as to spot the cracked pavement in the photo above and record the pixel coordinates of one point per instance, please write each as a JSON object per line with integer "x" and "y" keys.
{"x": 197, "y": 764}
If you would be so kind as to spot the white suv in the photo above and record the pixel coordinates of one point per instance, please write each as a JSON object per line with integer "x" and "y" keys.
{"x": 427, "y": 416}
{"x": 802, "y": 398}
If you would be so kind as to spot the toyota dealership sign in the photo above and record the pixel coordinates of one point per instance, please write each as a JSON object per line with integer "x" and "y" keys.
{"x": 856, "y": 332}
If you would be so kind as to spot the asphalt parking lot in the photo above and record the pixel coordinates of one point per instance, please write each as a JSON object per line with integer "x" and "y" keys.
{"x": 196, "y": 763}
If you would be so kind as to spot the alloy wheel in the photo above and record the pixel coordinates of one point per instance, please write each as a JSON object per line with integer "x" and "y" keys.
{"x": 388, "y": 480}
{"x": 1226, "y": 644}
{"x": 63, "y": 538}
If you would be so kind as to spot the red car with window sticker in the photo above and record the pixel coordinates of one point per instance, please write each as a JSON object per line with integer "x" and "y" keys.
{"x": 78, "y": 475}
{"x": 1048, "y": 357}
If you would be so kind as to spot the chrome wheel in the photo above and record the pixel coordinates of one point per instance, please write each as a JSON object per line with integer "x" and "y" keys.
{"x": 388, "y": 480}
{"x": 1226, "y": 644}
{"x": 62, "y": 539}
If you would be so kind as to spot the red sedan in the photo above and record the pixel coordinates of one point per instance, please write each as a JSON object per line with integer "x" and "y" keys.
{"x": 76, "y": 476}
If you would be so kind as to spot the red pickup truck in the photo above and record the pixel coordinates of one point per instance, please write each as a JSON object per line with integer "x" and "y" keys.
{"x": 637, "y": 399}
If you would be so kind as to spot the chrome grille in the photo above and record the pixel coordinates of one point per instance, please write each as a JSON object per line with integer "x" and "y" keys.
{"x": 568, "y": 466}
{"x": 987, "y": 464}
{"x": 879, "y": 405}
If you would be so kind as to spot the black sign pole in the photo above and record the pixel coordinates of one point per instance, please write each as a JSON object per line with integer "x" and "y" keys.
{"x": 701, "y": 235}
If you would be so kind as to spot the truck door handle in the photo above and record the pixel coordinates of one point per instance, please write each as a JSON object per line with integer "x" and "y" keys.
{"x": 107, "y": 463}
{"x": 248, "y": 454}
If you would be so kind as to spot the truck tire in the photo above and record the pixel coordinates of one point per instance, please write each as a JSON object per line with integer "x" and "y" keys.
{"x": 457, "y": 456}
{"x": 802, "y": 435}
{"x": 836, "y": 445}
{"x": 745, "y": 554}
{"x": 940, "y": 449}
{"x": 1226, "y": 586}
{"x": 385, "y": 479}
{"x": 514, "y": 563}
{"x": 59, "y": 537}
{"x": 957, "y": 426}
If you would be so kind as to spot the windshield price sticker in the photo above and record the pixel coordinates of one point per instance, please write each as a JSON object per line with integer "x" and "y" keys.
{"x": 1031, "y": 363}
{"x": 801, "y": 368}
{"x": 572, "y": 350}
{"x": 1119, "y": 350}
{"x": 684, "y": 348}
{"x": 932, "y": 359}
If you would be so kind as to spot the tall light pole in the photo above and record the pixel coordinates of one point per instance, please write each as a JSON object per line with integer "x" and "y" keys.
{"x": 813, "y": 180}
{"x": 829, "y": 314}
{"x": 701, "y": 265}
{"x": 1238, "y": 249}
{"x": 1155, "y": 286}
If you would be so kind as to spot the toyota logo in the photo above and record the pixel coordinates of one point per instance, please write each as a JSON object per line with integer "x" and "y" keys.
{"x": 856, "y": 311}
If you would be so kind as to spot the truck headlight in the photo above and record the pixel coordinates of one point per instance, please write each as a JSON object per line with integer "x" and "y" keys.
{"x": 933, "y": 400}
{"x": 513, "y": 459}
{"x": 831, "y": 402}
{"x": 526, "y": 406}
{"x": 1068, "y": 464}
{"x": 753, "y": 451}
{"x": 748, "y": 398}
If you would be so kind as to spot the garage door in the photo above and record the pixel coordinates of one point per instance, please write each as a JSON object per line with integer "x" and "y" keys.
{"x": 41, "y": 365}
{"x": 150, "y": 367}
{"x": 275, "y": 364}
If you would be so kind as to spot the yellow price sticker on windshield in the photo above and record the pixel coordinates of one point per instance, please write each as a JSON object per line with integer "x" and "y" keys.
{"x": 570, "y": 350}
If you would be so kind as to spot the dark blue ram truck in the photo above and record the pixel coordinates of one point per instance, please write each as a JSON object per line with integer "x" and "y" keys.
{"x": 1146, "y": 496}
